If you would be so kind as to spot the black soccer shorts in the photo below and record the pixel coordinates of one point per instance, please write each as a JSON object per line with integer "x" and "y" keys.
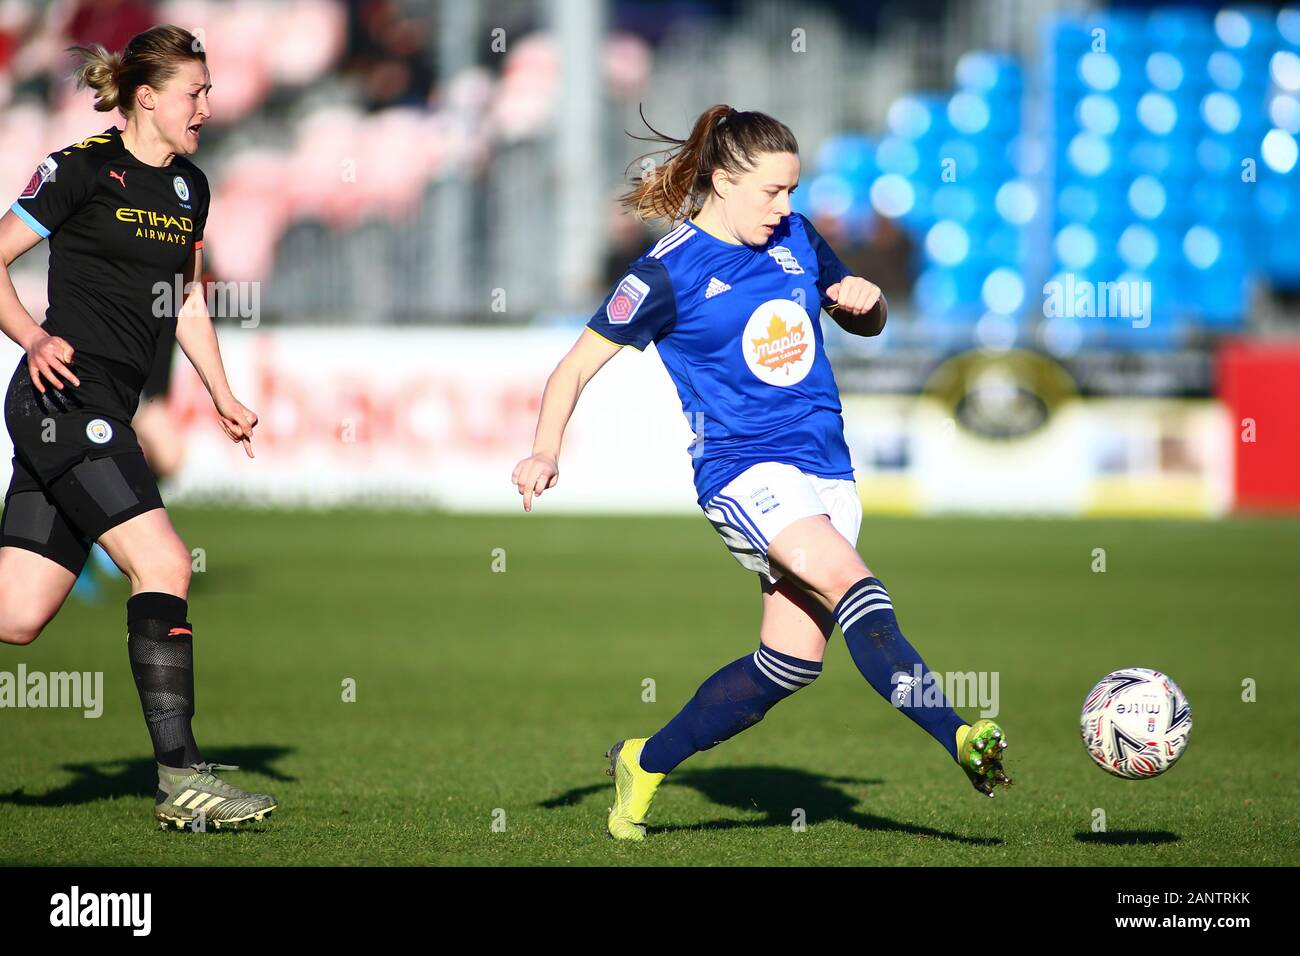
{"x": 78, "y": 470}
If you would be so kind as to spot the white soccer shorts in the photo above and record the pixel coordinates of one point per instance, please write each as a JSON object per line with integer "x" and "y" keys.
{"x": 765, "y": 499}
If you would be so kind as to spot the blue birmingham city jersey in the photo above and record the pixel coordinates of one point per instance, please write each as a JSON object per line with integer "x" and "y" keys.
{"x": 738, "y": 329}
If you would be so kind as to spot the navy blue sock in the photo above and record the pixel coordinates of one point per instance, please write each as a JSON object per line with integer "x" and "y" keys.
{"x": 736, "y": 697}
{"x": 891, "y": 665}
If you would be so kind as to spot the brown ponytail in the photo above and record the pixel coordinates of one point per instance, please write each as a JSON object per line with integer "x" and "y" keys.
{"x": 723, "y": 138}
{"x": 150, "y": 59}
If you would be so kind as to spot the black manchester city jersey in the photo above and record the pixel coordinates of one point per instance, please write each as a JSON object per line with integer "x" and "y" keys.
{"x": 119, "y": 230}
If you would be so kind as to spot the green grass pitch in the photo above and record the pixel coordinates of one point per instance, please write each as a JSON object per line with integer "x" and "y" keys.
{"x": 485, "y": 698}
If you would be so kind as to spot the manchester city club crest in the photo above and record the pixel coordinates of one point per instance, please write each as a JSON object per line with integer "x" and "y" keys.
{"x": 99, "y": 431}
{"x": 182, "y": 189}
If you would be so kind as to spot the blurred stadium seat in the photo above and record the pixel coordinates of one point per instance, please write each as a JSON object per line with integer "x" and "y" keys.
{"x": 969, "y": 228}
{"x": 1141, "y": 112}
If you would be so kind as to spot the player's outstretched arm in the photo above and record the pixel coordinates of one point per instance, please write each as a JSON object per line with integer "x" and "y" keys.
{"x": 48, "y": 356}
{"x": 541, "y": 469}
{"x": 198, "y": 339}
{"x": 859, "y": 308}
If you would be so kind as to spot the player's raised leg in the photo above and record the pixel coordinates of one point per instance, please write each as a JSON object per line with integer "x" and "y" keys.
{"x": 41, "y": 554}
{"x": 811, "y": 551}
{"x": 160, "y": 643}
{"x": 792, "y": 640}
{"x": 32, "y": 589}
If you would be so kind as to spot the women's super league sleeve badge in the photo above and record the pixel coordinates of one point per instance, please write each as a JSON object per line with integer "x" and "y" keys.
{"x": 627, "y": 298}
{"x": 44, "y": 173}
{"x": 182, "y": 189}
{"x": 99, "y": 431}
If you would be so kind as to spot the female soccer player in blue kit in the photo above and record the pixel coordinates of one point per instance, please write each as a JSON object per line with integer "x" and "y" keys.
{"x": 730, "y": 297}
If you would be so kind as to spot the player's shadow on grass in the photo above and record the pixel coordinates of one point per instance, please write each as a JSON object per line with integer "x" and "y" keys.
{"x": 1127, "y": 837}
{"x": 106, "y": 779}
{"x": 777, "y": 792}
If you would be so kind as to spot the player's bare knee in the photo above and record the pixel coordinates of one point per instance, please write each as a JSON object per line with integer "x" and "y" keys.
{"x": 168, "y": 571}
{"x": 20, "y": 628}
{"x": 16, "y": 636}
{"x": 803, "y": 641}
{"x": 837, "y": 580}
{"x": 180, "y": 570}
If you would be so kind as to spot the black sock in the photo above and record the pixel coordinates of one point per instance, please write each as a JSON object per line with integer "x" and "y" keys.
{"x": 161, "y": 645}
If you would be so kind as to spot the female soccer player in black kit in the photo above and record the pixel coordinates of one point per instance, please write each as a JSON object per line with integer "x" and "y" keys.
{"x": 124, "y": 211}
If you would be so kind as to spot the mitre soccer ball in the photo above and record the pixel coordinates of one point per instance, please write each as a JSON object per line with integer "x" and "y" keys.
{"x": 1135, "y": 723}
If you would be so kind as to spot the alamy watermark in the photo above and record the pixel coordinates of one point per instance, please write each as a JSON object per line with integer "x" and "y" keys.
{"x": 79, "y": 690}
{"x": 1075, "y": 298}
{"x": 225, "y": 300}
{"x": 76, "y": 908}
{"x": 923, "y": 688}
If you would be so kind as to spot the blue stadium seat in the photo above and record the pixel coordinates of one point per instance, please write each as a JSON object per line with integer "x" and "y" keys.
{"x": 1150, "y": 115}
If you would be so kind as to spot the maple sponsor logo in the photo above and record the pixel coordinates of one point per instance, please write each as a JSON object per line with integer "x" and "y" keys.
{"x": 779, "y": 343}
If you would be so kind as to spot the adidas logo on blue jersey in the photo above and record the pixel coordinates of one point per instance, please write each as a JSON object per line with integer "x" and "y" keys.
{"x": 716, "y": 287}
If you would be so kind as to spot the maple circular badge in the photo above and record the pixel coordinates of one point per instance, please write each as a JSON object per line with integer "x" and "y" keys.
{"x": 779, "y": 343}
{"x": 99, "y": 431}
